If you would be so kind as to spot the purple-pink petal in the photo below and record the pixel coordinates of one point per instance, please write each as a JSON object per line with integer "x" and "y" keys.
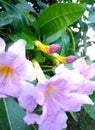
{"x": 54, "y": 122}
{"x": 18, "y": 48}
{"x": 2, "y": 45}
{"x": 15, "y": 69}
{"x": 88, "y": 71}
{"x": 30, "y": 97}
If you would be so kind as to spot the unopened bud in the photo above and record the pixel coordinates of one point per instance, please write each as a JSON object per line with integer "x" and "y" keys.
{"x": 70, "y": 59}
{"x": 63, "y": 59}
{"x": 54, "y": 48}
{"x": 48, "y": 49}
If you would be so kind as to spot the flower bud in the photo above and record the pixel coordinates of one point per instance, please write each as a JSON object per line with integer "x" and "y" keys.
{"x": 63, "y": 59}
{"x": 48, "y": 49}
{"x": 70, "y": 59}
{"x": 54, "y": 48}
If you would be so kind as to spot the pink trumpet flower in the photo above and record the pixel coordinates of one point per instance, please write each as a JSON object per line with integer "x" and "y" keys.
{"x": 15, "y": 69}
{"x": 64, "y": 92}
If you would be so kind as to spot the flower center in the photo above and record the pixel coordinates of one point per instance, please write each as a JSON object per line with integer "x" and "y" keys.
{"x": 50, "y": 90}
{"x": 8, "y": 71}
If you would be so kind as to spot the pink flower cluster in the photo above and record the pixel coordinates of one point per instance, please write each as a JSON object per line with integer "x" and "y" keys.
{"x": 65, "y": 92}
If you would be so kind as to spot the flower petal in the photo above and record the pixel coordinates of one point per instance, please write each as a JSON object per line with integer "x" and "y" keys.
{"x": 11, "y": 86}
{"x": 54, "y": 122}
{"x": 73, "y": 101}
{"x": 24, "y": 68}
{"x": 80, "y": 65}
{"x": 2, "y": 96}
{"x": 30, "y": 97}
{"x": 2, "y": 45}
{"x": 87, "y": 88}
{"x": 60, "y": 69}
{"x": 89, "y": 73}
{"x": 6, "y": 59}
{"x": 31, "y": 118}
{"x": 18, "y": 47}
{"x": 27, "y": 102}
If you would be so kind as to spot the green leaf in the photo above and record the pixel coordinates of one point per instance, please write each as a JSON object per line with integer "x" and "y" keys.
{"x": 39, "y": 57}
{"x": 90, "y": 109}
{"x": 16, "y": 115}
{"x": 25, "y": 8}
{"x": 5, "y": 18}
{"x": 11, "y": 116}
{"x": 70, "y": 51}
{"x": 64, "y": 42}
{"x": 4, "y": 123}
{"x": 42, "y": 5}
{"x": 53, "y": 37}
{"x": 74, "y": 115}
{"x": 27, "y": 35}
{"x": 87, "y": 1}
{"x": 59, "y": 16}
{"x": 18, "y": 22}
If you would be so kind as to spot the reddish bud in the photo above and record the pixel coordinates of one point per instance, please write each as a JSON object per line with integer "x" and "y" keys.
{"x": 54, "y": 48}
{"x": 70, "y": 59}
